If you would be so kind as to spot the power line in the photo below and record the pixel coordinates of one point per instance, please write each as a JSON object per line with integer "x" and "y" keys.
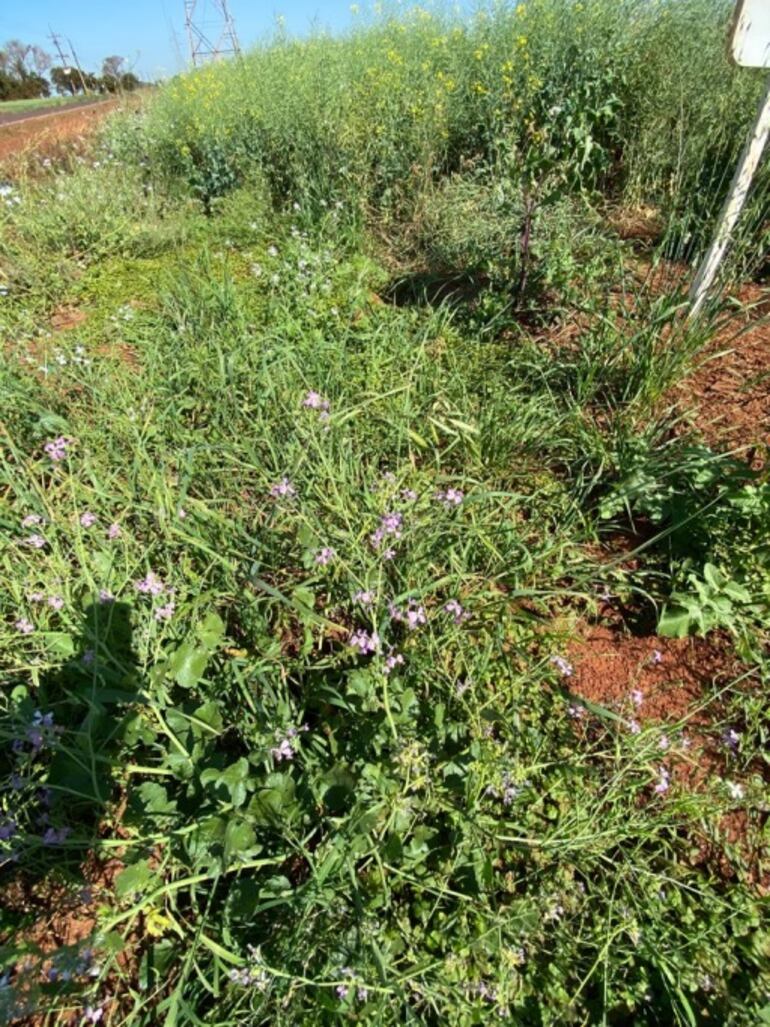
{"x": 204, "y": 45}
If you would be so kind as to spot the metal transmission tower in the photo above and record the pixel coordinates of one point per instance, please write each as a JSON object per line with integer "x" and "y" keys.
{"x": 220, "y": 28}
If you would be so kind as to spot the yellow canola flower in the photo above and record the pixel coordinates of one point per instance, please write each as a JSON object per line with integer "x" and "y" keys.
{"x": 157, "y": 924}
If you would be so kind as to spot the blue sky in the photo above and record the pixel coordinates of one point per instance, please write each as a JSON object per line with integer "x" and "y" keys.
{"x": 150, "y": 33}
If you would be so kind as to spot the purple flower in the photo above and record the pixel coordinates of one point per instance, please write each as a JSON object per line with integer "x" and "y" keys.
{"x": 35, "y": 597}
{"x": 283, "y": 489}
{"x": 663, "y": 742}
{"x": 450, "y": 497}
{"x": 88, "y": 657}
{"x": 510, "y": 790}
{"x": 88, "y": 519}
{"x": 343, "y": 990}
{"x": 93, "y": 1014}
{"x": 324, "y": 556}
{"x": 563, "y": 667}
{"x": 164, "y": 612}
{"x": 390, "y": 524}
{"x": 57, "y": 448}
{"x": 283, "y": 751}
{"x": 415, "y": 615}
{"x": 663, "y": 781}
{"x": 394, "y": 613}
{"x": 150, "y": 585}
{"x": 113, "y": 531}
{"x": 25, "y": 626}
{"x": 55, "y": 836}
{"x": 55, "y": 602}
{"x": 409, "y": 495}
{"x": 731, "y": 738}
{"x": 30, "y": 520}
{"x": 657, "y": 656}
{"x": 389, "y": 553}
{"x": 455, "y": 610}
{"x": 634, "y": 727}
{"x": 105, "y": 596}
{"x": 392, "y": 661}
{"x": 35, "y": 541}
{"x": 315, "y": 401}
{"x": 7, "y": 830}
{"x": 637, "y": 697}
{"x": 181, "y": 513}
{"x": 364, "y": 597}
{"x": 364, "y": 642}
{"x": 576, "y": 711}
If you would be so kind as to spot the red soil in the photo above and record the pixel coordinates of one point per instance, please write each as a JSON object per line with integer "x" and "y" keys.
{"x": 671, "y": 673}
{"x": 729, "y": 392}
{"x": 49, "y": 132}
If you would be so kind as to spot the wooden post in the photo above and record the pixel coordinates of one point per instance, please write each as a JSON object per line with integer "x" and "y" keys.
{"x": 739, "y": 188}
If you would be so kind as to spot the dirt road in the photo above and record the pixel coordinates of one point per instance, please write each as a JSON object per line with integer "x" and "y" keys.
{"x": 42, "y": 130}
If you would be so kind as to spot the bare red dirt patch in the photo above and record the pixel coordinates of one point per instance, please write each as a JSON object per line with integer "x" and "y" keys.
{"x": 728, "y": 395}
{"x": 670, "y": 674}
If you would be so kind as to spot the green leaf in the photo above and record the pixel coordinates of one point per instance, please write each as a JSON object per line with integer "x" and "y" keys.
{"x": 211, "y": 630}
{"x": 232, "y": 779}
{"x": 675, "y": 622}
{"x": 275, "y": 801}
{"x": 209, "y": 714}
{"x": 239, "y": 838}
{"x": 59, "y": 644}
{"x": 133, "y": 879}
{"x": 188, "y": 664}
{"x": 154, "y": 798}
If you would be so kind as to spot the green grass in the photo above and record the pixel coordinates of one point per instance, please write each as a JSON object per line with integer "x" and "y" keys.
{"x": 16, "y": 106}
{"x": 335, "y": 794}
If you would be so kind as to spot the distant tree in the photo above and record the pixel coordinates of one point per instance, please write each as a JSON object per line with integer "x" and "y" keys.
{"x": 129, "y": 81}
{"x": 21, "y": 68}
{"x": 65, "y": 80}
{"x": 112, "y": 66}
{"x": 93, "y": 82}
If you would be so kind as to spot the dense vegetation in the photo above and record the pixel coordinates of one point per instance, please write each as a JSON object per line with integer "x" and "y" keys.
{"x": 302, "y": 519}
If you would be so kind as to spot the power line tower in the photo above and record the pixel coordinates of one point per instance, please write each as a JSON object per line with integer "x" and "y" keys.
{"x": 201, "y": 30}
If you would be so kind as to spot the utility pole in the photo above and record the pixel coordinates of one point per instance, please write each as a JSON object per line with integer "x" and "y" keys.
{"x": 749, "y": 48}
{"x": 77, "y": 65}
{"x": 65, "y": 61}
{"x": 206, "y": 44}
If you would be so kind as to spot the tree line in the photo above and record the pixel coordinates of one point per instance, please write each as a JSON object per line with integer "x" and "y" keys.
{"x": 28, "y": 72}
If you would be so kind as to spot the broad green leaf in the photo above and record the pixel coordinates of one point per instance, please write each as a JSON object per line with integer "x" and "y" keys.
{"x": 187, "y": 664}
{"x": 154, "y": 798}
{"x": 58, "y": 643}
{"x": 675, "y": 622}
{"x": 133, "y": 879}
{"x": 211, "y": 630}
{"x": 239, "y": 838}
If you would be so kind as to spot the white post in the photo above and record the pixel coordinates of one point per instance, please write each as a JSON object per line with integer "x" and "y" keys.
{"x": 739, "y": 188}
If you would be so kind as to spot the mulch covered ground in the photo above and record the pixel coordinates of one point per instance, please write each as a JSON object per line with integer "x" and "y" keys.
{"x": 728, "y": 395}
